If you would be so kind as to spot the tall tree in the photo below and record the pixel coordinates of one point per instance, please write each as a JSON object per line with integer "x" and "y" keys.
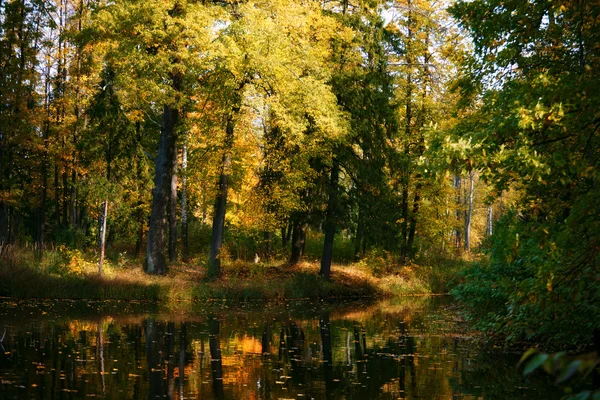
{"x": 533, "y": 81}
{"x": 155, "y": 39}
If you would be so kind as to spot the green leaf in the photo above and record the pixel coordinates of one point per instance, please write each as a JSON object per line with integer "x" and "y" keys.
{"x": 581, "y": 396}
{"x": 534, "y": 363}
{"x": 526, "y": 355}
{"x": 568, "y": 372}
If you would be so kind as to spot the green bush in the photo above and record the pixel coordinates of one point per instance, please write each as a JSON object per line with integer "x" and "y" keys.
{"x": 540, "y": 284}
{"x": 198, "y": 237}
{"x": 343, "y": 248}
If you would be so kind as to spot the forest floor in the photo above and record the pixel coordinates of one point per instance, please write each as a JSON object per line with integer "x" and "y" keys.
{"x": 72, "y": 277}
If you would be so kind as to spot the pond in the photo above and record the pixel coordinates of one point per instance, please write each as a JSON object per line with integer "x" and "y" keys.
{"x": 414, "y": 347}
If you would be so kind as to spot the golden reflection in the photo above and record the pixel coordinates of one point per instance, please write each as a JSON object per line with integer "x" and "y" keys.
{"x": 409, "y": 348}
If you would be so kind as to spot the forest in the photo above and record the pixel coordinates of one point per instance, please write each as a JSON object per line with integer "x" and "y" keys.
{"x": 187, "y": 149}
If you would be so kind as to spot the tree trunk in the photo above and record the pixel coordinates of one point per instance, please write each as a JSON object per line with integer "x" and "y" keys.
{"x": 286, "y": 233}
{"x": 65, "y": 202}
{"x": 469, "y": 213}
{"x": 330, "y": 222}
{"x": 413, "y": 223}
{"x": 173, "y": 211}
{"x": 102, "y": 236}
{"x": 359, "y": 233}
{"x": 490, "y": 220}
{"x": 56, "y": 196}
{"x": 184, "y": 216}
{"x": 42, "y": 209}
{"x": 298, "y": 239}
{"x": 267, "y": 238}
{"x": 407, "y": 134}
{"x": 214, "y": 262}
{"x": 404, "y": 224}
{"x": 457, "y": 232}
{"x": 140, "y": 213}
{"x": 140, "y": 236}
{"x": 157, "y": 235}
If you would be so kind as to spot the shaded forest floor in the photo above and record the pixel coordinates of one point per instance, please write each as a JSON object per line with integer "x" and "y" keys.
{"x": 69, "y": 275}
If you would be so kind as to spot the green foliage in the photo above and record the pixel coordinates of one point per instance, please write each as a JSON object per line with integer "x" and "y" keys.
{"x": 566, "y": 369}
{"x": 536, "y": 286}
{"x": 531, "y": 122}
{"x": 199, "y": 237}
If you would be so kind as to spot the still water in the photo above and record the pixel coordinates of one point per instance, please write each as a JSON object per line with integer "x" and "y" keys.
{"x": 413, "y": 348}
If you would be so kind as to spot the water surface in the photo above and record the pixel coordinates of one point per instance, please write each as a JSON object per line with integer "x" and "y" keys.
{"x": 413, "y": 348}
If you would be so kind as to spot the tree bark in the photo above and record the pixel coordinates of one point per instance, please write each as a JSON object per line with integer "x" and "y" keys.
{"x": 413, "y": 223}
{"x": 140, "y": 213}
{"x": 490, "y": 220}
{"x": 103, "y": 236}
{"x": 218, "y": 227}
{"x": 267, "y": 240}
{"x": 359, "y": 233}
{"x": 157, "y": 235}
{"x": 173, "y": 211}
{"x": 407, "y": 134}
{"x": 298, "y": 239}
{"x": 184, "y": 216}
{"x": 286, "y": 233}
{"x": 330, "y": 225}
{"x": 457, "y": 232}
{"x": 469, "y": 213}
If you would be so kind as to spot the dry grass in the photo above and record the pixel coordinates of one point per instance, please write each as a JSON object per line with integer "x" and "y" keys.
{"x": 66, "y": 274}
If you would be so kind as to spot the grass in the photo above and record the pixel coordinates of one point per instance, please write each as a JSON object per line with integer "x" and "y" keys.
{"x": 68, "y": 274}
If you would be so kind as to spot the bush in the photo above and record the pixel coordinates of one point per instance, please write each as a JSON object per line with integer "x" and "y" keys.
{"x": 379, "y": 261}
{"x": 198, "y": 237}
{"x": 343, "y": 248}
{"x": 538, "y": 285}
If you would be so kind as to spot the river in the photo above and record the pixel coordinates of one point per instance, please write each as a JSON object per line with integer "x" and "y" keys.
{"x": 405, "y": 348}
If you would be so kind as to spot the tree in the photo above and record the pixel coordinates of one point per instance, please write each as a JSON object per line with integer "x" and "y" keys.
{"x": 535, "y": 75}
{"x": 162, "y": 44}
{"x": 284, "y": 77}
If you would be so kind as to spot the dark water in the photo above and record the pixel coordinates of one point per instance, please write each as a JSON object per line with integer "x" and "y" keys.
{"x": 414, "y": 348}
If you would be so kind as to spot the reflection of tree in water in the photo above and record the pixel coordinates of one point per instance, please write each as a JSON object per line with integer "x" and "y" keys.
{"x": 171, "y": 360}
{"x": 406, "y": 344}
{"x": 154, "y": 360}
{"x": 216, "y": 360}
{"x": 495, "y": 376}
{"x": 100, "y": 347}
{"x": 182, "y": 351}
{"x": 295, "y": 345}
{"x": 321, "y": 356}
{"x": 325, "y": 329}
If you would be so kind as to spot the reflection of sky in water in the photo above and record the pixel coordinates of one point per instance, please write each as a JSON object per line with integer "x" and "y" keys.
{"x": 416, "y": 348}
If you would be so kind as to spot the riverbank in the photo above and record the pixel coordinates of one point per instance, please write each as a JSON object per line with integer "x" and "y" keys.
{"x": 66, "y": 274}
{"x": 73, "y": 276}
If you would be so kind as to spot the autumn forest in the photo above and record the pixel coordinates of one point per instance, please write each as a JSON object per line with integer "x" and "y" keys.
{"x": 181, "y": 151}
